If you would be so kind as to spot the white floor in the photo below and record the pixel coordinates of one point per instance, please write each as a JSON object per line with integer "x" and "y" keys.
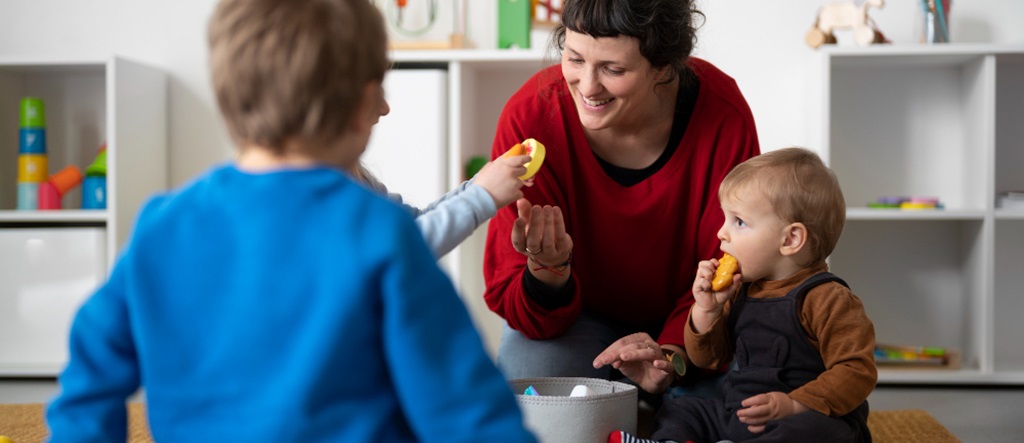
{"x": 974, "y": 415}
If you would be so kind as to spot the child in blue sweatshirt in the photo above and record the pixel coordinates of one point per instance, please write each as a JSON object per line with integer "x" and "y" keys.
{"x": 275, "y": 298}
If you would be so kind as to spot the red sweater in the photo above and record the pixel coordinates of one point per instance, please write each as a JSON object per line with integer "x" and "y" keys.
{"x": 635, "y": 248}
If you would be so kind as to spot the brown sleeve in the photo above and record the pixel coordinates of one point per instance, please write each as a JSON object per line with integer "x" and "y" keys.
{"x": 712, "y": 349}
{"x": 838, "y": 326}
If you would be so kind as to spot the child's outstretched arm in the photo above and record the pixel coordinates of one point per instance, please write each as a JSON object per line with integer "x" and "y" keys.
{"x": 451, "y": 219}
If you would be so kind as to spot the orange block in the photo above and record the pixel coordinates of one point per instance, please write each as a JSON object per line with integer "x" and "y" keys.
{"x": 66, "y": 179}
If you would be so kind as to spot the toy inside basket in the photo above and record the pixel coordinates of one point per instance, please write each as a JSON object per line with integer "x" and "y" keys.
{"x": 555, "y": 417}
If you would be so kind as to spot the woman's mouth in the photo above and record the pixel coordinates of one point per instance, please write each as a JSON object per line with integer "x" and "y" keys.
{"x": 595, "y": 103}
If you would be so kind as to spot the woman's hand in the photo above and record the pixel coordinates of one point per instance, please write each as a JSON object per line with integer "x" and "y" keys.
{"x": 762, "y": 408}
{"x": 640, "y": 358}
{"x": 539, "y": 233}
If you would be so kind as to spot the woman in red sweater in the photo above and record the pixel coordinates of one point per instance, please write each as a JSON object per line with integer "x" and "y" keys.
{"x": 600, "y": 255}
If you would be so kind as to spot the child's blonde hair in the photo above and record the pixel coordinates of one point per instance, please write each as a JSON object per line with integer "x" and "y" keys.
{"x": 285, "y": 69}
{"x": 800, "y": 188}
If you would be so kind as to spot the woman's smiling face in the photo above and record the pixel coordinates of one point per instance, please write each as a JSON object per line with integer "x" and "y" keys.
{"x": 611, "y": 83}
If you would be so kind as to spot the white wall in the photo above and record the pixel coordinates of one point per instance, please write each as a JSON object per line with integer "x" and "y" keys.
{"x": 760, "y": 43}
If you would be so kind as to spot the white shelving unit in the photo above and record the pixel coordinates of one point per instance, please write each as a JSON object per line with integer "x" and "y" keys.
{"x": 479, "y": 84}
{"x": 88, "y": 102}
{"x": 943, "y": 121}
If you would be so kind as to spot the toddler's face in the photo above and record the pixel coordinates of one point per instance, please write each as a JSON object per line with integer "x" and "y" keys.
{"x": 752, "y": 233}
{"x": 383, "y": 108}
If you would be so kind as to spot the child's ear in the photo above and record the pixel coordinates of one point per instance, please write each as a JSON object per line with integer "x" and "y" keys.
{"x": 795, "y": 237}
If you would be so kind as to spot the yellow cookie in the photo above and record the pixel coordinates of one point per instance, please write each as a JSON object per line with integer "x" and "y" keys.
{"x": 723, "y": 275}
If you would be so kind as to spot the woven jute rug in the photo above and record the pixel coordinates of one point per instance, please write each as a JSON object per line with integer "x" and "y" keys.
{"x": 24, "y": 423}
{"x": 907, "y": 425}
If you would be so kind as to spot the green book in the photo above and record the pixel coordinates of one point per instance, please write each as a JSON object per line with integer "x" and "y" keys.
{"x": 514, "y": 24}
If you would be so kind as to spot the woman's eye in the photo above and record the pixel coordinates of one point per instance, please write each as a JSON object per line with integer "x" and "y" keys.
{"x": 613, "y": 71}
{"x": 575, "y": 61}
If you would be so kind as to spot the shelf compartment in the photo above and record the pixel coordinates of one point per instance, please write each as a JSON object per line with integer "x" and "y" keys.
{"x": 484, "y": 87}
{"x": 913, "y": 125}
{"x": 74, "y": 95}
{"x": 1008, "y": 299}
{"x": 921, "y": 282}
{"x": 1009, "y": 132}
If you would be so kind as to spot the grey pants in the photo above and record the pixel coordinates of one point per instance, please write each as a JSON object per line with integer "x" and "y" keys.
{"x": 570, "y": 355}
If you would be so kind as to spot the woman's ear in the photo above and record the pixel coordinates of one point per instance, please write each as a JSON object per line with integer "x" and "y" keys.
{"x": 794, "y": 239}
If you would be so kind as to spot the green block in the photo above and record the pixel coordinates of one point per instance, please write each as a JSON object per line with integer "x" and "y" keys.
{"x": 33, "y": 113}
{"x": 514, "y": 24}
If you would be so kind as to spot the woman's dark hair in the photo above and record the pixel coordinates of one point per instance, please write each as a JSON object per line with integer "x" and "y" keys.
{"x": 667, "y": 29}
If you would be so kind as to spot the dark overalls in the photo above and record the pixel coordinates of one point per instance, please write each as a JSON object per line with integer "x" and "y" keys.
{"x": 772, "y": 353}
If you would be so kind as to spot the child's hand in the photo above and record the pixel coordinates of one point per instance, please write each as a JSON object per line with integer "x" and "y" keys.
{"x": 708, "y": 304}
{"x": 704, "y": 297}
{"x": 500, "y": 178}
{"x": 762, "y": 408}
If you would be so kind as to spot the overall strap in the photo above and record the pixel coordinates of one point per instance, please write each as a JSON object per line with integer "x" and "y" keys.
{"x": 820, "y": 278}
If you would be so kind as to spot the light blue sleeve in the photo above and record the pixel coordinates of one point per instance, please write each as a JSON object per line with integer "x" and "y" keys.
{"x": 451, "y": 219}
{"x": 447, "y": 384}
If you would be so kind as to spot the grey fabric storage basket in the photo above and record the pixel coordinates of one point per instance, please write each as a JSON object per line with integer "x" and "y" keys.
{"x": 554, "y": 417}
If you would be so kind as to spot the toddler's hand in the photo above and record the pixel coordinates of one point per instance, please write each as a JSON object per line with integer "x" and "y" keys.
{"x": 500, "y": 178}
{"x": 704, "y": 297}
{"x": 762, "y": 408}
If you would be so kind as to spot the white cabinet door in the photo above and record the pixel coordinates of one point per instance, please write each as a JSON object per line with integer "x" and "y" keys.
{"x": 46, "y": 273}
{"x": 408, "y": 148}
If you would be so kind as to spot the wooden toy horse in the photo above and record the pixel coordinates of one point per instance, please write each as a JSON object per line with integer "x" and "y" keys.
{"x": 845, "y": 15}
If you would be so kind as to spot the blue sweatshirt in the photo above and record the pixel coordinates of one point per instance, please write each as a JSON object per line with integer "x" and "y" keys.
{"x": 293, "y": 305}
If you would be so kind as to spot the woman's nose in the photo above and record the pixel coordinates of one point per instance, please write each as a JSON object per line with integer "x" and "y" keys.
{"x": 589, "y": 85}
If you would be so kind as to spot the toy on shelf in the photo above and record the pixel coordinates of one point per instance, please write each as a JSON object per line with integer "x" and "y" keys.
{"x": 852, "y": 15}
{"x": 94, "y": 187}
{"x": 911, "y": 355}
{"x": 514, "y": 20}
{"x": 414, "y": 23}
{"x": 32, "y": 159}
{"x": 934, "y": 25}
{"x": 906, "y": 203}
{"x": 474, "y": 165}
{"x": 546, "y": 12}
{"x": 53, "y": 190}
